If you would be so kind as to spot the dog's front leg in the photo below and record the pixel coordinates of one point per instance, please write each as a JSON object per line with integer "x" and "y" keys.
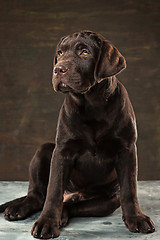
{"x": 47, "y": 225}
{"x": 133, "y": 217}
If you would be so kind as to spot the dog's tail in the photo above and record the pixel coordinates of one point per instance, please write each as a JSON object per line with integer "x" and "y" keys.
{"x": 8, "y": 204}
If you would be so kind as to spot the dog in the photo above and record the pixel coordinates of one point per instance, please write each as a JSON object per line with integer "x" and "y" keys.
{"x": 91, "y": 169}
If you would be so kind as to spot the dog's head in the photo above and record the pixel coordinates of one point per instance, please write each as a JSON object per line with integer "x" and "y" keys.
{"x": 84, "y": 59}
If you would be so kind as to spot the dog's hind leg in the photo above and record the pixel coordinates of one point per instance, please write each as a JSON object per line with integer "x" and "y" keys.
{"x": 96, "y": 207}
{"x": 39, "y": 170}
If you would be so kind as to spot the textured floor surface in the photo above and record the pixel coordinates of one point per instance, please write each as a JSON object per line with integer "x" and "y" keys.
{"x": 111, "y": 227}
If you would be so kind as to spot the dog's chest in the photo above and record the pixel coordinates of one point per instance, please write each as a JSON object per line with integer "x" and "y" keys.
{"x": 99, "y": 138}
{"x": 91, "y": 169}
{"x": 93, "y": 121}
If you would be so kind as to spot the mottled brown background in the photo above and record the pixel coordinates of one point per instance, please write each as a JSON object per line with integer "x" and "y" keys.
{"x": 29, "y": 31}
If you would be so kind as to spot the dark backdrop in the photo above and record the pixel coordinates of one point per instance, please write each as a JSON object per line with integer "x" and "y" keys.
{"x": 29, "y": 32}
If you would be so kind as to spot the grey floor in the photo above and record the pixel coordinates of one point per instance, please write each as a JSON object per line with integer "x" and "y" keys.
{"x": 111, "y": 227}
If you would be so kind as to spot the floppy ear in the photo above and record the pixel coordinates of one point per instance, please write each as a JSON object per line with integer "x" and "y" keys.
{"x": 110, "y": 61}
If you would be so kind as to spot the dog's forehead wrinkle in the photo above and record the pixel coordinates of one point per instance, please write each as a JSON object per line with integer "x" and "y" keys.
{"x": 80, "y": 45}
{"x": 84, "y": 38}
{"x": 64, "y": 43}
{"x": 74, "y": 45}
{"x": 88, "y": 36}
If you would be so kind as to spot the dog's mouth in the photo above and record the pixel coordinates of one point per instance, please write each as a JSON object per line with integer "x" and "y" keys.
{"x": 64, "y": 88}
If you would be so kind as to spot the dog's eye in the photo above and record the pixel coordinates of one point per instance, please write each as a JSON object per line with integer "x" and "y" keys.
{"x": 59, "y": 53}
{"x": 84, "y": 52}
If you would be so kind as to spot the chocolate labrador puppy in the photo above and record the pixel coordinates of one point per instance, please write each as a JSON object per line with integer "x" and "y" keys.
{"x": 92, "y": 168}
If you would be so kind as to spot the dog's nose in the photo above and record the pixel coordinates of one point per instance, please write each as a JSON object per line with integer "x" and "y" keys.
{"x": 60, "y": 69}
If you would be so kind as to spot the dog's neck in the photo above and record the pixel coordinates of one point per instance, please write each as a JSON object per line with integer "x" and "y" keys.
{"x": 98, "y": 95}
{"x": 102, "y": 92}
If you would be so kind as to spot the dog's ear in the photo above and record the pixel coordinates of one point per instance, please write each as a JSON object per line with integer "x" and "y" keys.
{"x": 110, "y": 61}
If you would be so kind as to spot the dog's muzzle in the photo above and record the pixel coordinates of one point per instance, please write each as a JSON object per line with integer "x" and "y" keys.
{"x": 59, "y": 73}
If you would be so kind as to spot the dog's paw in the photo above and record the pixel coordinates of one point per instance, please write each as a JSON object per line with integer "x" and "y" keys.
{"x": 23, "y": 209}
{"x": 140, "y": 224}
{"x": 45, "y": 228}
{"x": 16, "y": 212}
